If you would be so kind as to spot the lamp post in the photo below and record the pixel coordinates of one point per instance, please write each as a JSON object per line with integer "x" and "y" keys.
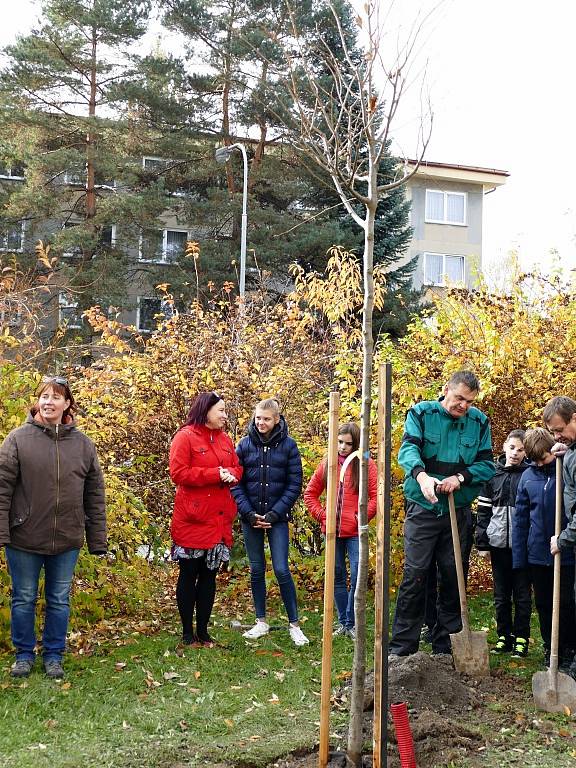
{"x": 222, "y": 155}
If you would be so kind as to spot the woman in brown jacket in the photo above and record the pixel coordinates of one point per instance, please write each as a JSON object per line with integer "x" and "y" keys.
{"x": 51, "y": 495}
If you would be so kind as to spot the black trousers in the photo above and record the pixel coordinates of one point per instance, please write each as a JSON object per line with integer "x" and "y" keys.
{"x": 431, "y": 608}
{"x": 543, "y": 581}
{"x": 195, "y": 591}
{"x": 427, "y": 537}
{"x": 512, "y": 593}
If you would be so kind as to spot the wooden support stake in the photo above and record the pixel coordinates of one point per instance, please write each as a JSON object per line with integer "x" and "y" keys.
{"x": 329, "y": 560}
{"x": 382, "y": 583}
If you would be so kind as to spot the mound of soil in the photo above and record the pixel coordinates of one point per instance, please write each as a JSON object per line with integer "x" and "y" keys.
{"x": 445, "y": 710}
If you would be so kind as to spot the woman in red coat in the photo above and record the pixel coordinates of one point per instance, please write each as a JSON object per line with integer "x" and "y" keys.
{"x": 203, "y": 465}
{"x": 346, "y": 520}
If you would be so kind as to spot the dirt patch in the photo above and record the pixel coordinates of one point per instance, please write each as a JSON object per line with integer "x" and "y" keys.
{"x": 454, "y": 718}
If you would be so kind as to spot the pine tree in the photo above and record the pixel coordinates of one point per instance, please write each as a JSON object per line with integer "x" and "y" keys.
{"x": 80, "y": 108}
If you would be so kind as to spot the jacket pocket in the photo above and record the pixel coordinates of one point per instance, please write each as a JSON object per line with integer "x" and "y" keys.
{"x": 468, "y": 449}
{"x": 18, "y": 517}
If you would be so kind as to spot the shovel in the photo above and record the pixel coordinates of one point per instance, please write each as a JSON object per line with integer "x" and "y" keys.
{"x": 554, "y": 691}
{"x": 469, "y": 649}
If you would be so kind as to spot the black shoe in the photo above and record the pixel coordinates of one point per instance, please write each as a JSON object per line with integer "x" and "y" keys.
{"x": 520, "y": 649}
{"x": 21, "y": 667}
{"x": 503, "y": 645}
{"x": 54, "y": 669}
{"x": 205, "y": 639}
{"x": 565, "y": 660}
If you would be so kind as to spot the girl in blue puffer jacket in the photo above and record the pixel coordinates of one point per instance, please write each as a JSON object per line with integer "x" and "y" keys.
{"x": 271, "y": 484}
{"x": 532, "y": 527}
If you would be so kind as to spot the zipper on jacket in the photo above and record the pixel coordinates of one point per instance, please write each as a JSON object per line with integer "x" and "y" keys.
{"x": 263, "y": 476}
{"x": 57, "y": 490}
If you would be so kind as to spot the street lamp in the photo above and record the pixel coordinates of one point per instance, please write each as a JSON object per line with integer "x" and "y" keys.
{"x": 222, "y": 155}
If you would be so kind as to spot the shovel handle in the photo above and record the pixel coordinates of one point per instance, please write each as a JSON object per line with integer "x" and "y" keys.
{"x": 557, "y": 564}
{"x": 459, "y": 567}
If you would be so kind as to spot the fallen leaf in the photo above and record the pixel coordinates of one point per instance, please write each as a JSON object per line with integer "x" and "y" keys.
{"x": 229, "y": 723}
{"x": 126, "y": 725}
{"x": 120, "y": 665}
{"x": 567, "y": 711}
{"x": 51, "y": 723}
{"x": 280, "y": 676}
{"x": 196, "y": 674}
{"x": 183, "y": 725}
{"x": 170, "y": 675}
{"x": 274, "y": 699}
{"x": 65, "y": 686}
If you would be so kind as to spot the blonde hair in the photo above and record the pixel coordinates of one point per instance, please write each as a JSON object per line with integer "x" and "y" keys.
{"x": 537, "y": 443}
{"x": 271, "y": 404}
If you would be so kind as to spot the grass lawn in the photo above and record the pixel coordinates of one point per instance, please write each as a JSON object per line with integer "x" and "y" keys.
{"x": 136, "y": 703}
{"x": 141, "y": 704}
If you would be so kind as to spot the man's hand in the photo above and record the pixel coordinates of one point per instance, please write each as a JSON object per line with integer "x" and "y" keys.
{"x": 428, "y": 487}
{"x": 484, "y": 553}
{"x": 448, "y": 485}
{"x": 559, "y": 449}
{"x": 554, "y": 548}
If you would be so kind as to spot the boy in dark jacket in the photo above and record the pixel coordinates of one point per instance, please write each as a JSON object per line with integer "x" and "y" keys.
{"x": 532, "y": 528}
{"x": 494, "y": 538}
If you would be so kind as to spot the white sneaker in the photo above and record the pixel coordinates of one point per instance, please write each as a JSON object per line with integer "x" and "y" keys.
{"x": 298, "y": 637}
{"x": 259, "y": 629}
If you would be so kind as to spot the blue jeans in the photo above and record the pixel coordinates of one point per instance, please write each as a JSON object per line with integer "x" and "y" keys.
{"x": 25, "y": 570}
{"x": 344, "y": 597}
{"x": 278, "y": 540}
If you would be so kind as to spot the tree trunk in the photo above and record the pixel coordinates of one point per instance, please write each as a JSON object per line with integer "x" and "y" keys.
{"x": 355, "y": 735}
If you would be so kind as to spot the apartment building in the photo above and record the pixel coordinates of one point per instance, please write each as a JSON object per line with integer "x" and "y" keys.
{"x": 447, "y": 217}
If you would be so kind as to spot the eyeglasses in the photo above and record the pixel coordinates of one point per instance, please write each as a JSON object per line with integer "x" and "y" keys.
{"x": 55, "y": 380}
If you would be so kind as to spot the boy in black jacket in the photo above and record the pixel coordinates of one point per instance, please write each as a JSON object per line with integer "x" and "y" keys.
{"x": 494, "y": 538}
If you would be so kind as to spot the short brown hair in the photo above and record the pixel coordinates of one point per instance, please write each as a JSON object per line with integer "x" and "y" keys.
{"x": 561, "y": 406}
{"x": 516, "y": 434}
{"x": 537, "y": 443}
{"x": 467, "y": 378}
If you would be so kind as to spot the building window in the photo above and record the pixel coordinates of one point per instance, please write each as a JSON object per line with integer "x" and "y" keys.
{"x": 151, "y": 311}
{"x": 68, "y": 313}
{"x": 13, "y": 171}
{"x": 163, "y": 246}
{"x": 10, "y": 313}
{"x": 12, "y": 238}
{"x": 108, "y": 236}
{"x": 445, "y": 207}
{"x": 442, "y": 269}
{"x": 154, "y": 163}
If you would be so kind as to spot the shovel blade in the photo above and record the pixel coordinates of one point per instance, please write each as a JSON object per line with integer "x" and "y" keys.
{"x": 470, "y": 653}
{"x": 554, "y": 693}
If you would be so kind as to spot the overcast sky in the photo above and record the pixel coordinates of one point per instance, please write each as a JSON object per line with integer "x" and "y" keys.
{"x": 500, "y": 75}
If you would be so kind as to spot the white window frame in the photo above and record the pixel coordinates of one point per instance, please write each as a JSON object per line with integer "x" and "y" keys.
{"x": 445, "y": 256}
{"x": 163, "y": 259}
{"x": 112, "y": 236}
{"x": 163, "y": 303}
{"x": 445, "y": 220}
{"x": 4, "y": 240}
{"x": 68, "y": 177}
{"x": 10, "y": 175}
{"x": 10, "y": 313}
{"x": 160, "y": 160}
{"x": 66, "y": 302}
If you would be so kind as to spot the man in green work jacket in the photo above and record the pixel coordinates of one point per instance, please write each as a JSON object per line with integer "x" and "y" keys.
{"x": 446, "y": 447}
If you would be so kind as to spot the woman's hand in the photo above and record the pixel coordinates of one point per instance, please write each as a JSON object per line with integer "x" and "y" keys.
{"x": 260, "y": 522}
{"x": 226, "y": 476}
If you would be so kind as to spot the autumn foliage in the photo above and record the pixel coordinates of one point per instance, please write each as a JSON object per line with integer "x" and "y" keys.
{"x": 298, "y": 348}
